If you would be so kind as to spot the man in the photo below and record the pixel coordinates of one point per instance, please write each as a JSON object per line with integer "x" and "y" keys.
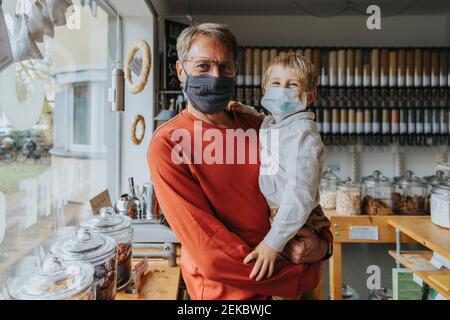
{"x": 215, "y": 208}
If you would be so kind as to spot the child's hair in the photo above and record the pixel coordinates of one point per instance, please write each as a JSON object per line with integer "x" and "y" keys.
{"x": 306, "y": 71}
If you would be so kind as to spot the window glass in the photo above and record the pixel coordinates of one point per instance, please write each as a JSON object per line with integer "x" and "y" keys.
{"x": 54, "y": 150}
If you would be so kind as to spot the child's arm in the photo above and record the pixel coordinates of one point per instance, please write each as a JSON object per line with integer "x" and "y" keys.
{"x": 299, "y": 195}
{"x": 242, "y": 108}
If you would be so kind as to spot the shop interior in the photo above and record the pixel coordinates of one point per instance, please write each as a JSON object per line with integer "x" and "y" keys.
{"x": 88, "y": 95}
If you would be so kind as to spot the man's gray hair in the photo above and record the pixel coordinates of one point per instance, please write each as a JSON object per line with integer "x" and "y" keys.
{"x": 216, "y": 31}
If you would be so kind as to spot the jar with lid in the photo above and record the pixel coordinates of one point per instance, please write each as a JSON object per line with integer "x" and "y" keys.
{"x": 440, "y": 204}
{"x": 437, "y": 178}
{"x": 120, "y": 228}
{"x": 377, "y": 193}
{"x": 328, "y": 189}
{"x": 348, "y": 198}
{"x": 409, "y": 195}
{"x": 96, "y": 249}
{"x": 57, "y": 280}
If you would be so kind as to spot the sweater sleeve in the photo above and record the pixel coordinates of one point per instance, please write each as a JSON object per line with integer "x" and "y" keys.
{"x": 218, "y": 252}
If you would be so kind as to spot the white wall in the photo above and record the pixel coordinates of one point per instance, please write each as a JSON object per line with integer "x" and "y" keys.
{"x": 347, "y": 31}
{"x": 133, "y": 158}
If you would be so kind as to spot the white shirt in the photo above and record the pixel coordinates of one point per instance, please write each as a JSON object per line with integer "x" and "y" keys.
{"x": 292, "y": 157}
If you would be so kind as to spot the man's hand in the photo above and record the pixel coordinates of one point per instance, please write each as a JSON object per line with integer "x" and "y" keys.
{"x": 265, "y": 261}
{"x": 305, "y": 247}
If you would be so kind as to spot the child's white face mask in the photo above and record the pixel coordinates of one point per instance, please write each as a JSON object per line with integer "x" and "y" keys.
{"x": 283, "y": 102}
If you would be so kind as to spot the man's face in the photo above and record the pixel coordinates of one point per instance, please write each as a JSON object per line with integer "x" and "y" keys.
{"x": 207, "y": 48}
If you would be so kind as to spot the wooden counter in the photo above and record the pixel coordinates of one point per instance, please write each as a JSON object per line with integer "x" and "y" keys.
{"x": 161, "y": 282}
{"x": 345, "y": 230}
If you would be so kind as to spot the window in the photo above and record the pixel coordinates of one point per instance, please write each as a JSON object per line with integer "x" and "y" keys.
{"x": 81, "y": 115}
{"x": 55, "y": 154}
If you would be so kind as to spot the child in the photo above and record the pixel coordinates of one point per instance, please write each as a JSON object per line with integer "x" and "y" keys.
{"x": 291, "y": 179}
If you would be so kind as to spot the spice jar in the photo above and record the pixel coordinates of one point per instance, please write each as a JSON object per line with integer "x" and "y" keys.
{"x": 57, "y": 280}
{"x": 328, "y": 189}
{"x": 438, "y": 178}
{"x": 96, "y": 249}
{"x": 377, "y": 192}
{"x": 121, "y": 230}
{"x": 409, "y": 195}
{"x": 440, "y": 204}
{"x": 348, "y": 198}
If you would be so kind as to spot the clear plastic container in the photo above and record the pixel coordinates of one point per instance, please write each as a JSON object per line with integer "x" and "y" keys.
{"x": 96, "y": 249}
{"x": 328, "y": 189}
{"x": 348, "y": 198}
{"x": 437, "y": 178}
{"x": 377, "y": 195}
{"x": 58, "y": 280}
{"x": 409, "y": 197}
{"x": 440, "y": 204}
{"x": 120, "y": 228}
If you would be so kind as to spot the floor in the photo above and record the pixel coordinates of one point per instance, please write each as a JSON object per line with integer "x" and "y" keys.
{"x": 356, "y": 258}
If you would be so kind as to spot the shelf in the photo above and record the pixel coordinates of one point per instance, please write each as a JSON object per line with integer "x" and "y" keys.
{"x": 425, "y": 232}
{"x": 342, "y": 225}
{"x": 418, "y": 262}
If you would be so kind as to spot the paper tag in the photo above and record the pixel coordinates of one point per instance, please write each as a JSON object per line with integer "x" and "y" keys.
{"x": 363, "y": 233}
{"x": 100, "y": 201}
{"x": 6, "y": 57}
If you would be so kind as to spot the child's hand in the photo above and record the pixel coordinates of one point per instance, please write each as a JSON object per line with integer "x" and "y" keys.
{"x": 265, "y": 261}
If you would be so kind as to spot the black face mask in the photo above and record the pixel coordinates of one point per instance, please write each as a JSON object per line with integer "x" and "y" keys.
{"x": 209, "y": 94}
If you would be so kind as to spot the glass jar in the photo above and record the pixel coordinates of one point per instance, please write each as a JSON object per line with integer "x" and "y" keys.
{"x": 440, "y": 204}
{"x": 328, "y": 189}
{"x": 96, "y": 249}
{"x": 57, "y": 280}
{"x": 437, "y": 178}
{"x": 120, "y": 228}
{"x": 409, "y": 195}
{"x": 348, "y": 198}
{"x": 377, "y": 193}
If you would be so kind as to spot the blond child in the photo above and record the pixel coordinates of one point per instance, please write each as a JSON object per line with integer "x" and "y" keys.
{"x": 292, "y": 166}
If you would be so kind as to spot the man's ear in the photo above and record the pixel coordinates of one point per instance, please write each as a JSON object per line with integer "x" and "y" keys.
{"x": 312, "y": 96}
{"x": 180, "y": 71}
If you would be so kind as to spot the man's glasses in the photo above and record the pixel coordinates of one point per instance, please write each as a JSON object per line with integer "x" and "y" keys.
{"x": 203, "y": 66}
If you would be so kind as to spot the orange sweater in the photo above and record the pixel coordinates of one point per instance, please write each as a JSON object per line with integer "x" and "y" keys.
{"x": 219, "y": 214}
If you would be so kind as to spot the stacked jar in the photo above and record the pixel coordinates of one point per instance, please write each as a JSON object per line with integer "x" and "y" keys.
{"x": 435, "y": 179}
{"x": 409, "y": 195}
{"x": 377, "y": 195}
{"x": 440, "y": 204}
{"x": 96, "y": 249}
{"x": 57, "y": 280}
{"x": 120, "y": 228}
{"x": 328, "y": 189}
{"x": 348, "y": 198}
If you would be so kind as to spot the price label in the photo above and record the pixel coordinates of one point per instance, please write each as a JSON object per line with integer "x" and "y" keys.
{"x": 100, "y": 201}
{"x": 363, "y": 233}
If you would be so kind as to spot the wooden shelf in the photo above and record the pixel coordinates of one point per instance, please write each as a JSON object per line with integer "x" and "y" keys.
{"x": 425, "y": 232}
{"x": 161, "y": 282}
{"x": 342, "y": 224}
{"x": 418, "y": 262}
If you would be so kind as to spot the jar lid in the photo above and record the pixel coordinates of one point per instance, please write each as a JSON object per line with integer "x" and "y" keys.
{"x": 409, "y": 179}
{"x": 377, "y": 178}
{"x": 437, "y": 178}
{"x": 348, "y": 183}
{"x": 108, "y": 222}
{"x": 85, "y": 246}
{"x": 55, "y": 281}
{"x": 328, "y": 176}
{"x": 443, "y": 185}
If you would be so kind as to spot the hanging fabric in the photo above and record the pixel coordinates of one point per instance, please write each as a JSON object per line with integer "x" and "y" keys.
{"x": 36, "y": 21}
